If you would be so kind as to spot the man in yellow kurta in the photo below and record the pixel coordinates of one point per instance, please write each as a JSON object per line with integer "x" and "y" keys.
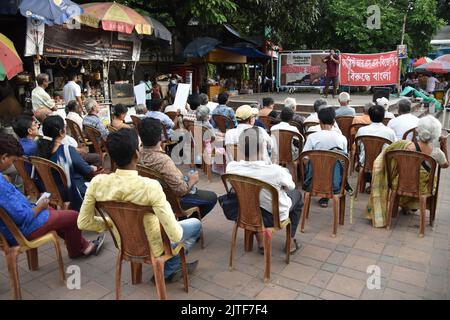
{"x": 126, "y": 185}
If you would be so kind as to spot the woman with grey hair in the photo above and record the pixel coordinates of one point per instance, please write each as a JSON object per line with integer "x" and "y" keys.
{"x": 428, "y": 133}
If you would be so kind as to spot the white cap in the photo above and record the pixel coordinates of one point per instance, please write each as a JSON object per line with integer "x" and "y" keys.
{"x": 344, "y": 97}
{"x": 383, "y": 102}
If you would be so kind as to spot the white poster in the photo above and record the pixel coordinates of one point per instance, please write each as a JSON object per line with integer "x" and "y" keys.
{"x": 139, "y": 92}
{"x": 131, "y": 112}
{"x": 182, "y": 95}
{"x": 34, "y": 42}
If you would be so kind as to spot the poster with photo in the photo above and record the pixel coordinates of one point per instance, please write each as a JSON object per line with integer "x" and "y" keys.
{"x": 105, "y": 114}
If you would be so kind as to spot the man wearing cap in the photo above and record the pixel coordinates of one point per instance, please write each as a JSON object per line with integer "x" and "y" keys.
{"x": 385, "y": 104}
{"x": 344, "y": 109}
{"x": 246, "y": 116}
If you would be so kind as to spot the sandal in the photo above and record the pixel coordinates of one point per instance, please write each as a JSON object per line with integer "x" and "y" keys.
{"x": 98, "y": 243}
{"x": 323, "y": 202}
{"x": 297, "y": 246}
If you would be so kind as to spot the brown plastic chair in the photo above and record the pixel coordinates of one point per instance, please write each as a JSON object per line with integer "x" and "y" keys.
{"x": 134, "y": 247}
{"x": 45, "y": 169}
{"x": 345, "y": 123}
{"x": 30, "y": 188}
{"x": 322, "y": 164}
{"x": 172, "y": 198}
{"x": 223, "y": 123}
{"x": 268, "y": 121}
{"x": 352, "y": 150}
{"x": 167, "y": 143}
{"x": 386, "y": 121}
{"x": 174, "y": 117}
{"x": 136, "y": 122}
{"x": 98, "y": 142}
{"x": 250, "y": 217}
{"x": 28, "y": 246}
{"x": 284, "y": 140}
{"x": 298, "y": 125}
{"x": 309, "y": 124}
{"x": 373, "y": 145}
{"x": 406, "y": 166}
{"x": 410, "y": 131}
{"x": 76, "y": 133}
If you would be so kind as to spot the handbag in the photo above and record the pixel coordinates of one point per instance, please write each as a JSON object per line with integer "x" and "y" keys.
{"x": 230, "y": 206}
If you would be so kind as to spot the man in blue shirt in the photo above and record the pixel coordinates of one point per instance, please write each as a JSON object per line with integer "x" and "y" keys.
{"x": 223, "y": 109}
{"x": 35, "y": 221}
{"x": 92, "y": 119}
{"x": 26, "y": 128}
{"x": 155, "y": 113}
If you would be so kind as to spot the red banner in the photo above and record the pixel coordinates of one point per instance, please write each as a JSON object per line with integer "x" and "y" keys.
{"x": 369, "y": 69}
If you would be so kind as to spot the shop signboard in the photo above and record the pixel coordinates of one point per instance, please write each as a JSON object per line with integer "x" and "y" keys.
{"x": 377, "y": 69}
{"x": 301, "y": 69}
{"x": 89, "y": 44}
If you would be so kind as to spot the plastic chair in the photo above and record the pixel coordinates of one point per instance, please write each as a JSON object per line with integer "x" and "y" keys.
{"x": 46, "y": 169}
{"x": 298, "y": 125}
{"x": 284, "y": 140}
{"x": 223, "y": 123}
{"x": 198, "y": 148}
{"x": 172, "y": 198}
{"x": 409, "y": 132}
{"x": 373, "y": 145}
{"x": 250, "y": 217}
{"x": 134, "y": 246}
{"x": 28, "y": 246}
{"x": 345, "y": 123}
{"x": 352, "y": 150}
{"x": 76, "y": 133}
{"x": 136, "y": 122}
{"x": 322, "y": 165}
{"x": 406, "y": 166}
{"x": 30, "y": 188}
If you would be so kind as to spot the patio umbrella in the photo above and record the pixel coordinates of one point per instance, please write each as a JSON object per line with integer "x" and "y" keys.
{"x": 10, "y": 62}
{"x": 439, "y": 65}
{"x": 112, "y": 16}
{"x": 50, "y": 11}
{"x": 159, "y": 30}
{"x": 200, "y": 47}
{"x": 422, "y": 61}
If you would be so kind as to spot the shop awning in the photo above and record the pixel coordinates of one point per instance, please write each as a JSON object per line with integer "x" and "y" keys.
{"x": 159, "y": 30}
{"x": 238, "y": 35}
{"x": 246, "y": 51}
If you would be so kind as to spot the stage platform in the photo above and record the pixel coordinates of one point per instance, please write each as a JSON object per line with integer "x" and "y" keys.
{"x": 306, "y": 100}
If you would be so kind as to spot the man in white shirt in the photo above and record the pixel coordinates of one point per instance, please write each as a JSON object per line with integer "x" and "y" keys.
{"x": 344, "y": 109}
{"x": 72, "y": 90}
{"x": 313, "y": 117}
{"x": 286, "y": 115}
{"x": 246, "y": 117}
{"x": 376, "y": 128}
{"x": 405, "y": 121}
{"x": 74, "y": 113}
{"x": 40, "y": 98}
{"x": 326, "y": 139}
{"x": 252, "y": 146}
{"x": 431, "y": 84}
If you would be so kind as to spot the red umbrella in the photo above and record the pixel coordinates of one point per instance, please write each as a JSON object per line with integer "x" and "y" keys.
{"x": 439, "y": 65}
{"x": 422, "y": 61}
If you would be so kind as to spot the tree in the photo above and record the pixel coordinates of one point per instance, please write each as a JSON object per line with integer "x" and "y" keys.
{"x": 444, "y": 10}
{"x": 343, "y": 25}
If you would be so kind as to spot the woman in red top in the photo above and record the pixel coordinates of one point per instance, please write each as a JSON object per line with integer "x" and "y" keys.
{"x": 156, "y": 90}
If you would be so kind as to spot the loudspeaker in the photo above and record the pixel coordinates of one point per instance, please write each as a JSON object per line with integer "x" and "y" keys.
{"x": 380, "y": 92}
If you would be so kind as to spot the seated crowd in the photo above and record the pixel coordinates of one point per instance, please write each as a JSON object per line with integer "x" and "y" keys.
{"x": 251, "y": 151}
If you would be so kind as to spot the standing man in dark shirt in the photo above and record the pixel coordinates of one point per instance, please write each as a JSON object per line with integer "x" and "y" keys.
{"x": 332, "y": 62}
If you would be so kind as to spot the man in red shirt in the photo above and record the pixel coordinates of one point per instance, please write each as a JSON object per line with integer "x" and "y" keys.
{"x": 332, "y": 62}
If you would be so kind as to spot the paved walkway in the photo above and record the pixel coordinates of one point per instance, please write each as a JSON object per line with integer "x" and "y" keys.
{"x": 324, "y": 268}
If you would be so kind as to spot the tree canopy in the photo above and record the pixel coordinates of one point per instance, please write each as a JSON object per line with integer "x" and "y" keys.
{"x": 310, "y": 24}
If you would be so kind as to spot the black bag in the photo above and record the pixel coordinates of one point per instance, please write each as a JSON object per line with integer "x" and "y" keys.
{"x": 230, "y": 206}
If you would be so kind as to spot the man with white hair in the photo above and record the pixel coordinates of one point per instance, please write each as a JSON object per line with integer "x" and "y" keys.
{"x": 40, "y": 99}
{"x": 92, "y": 119}
{"x": 344, "y": 109}
{"x": 319, "y": 104}
{"x": 141, "y": 110}
{"x": 405, "y": 121}
{"x": 385, "y": 104}
{"x": 291, "y": 103}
